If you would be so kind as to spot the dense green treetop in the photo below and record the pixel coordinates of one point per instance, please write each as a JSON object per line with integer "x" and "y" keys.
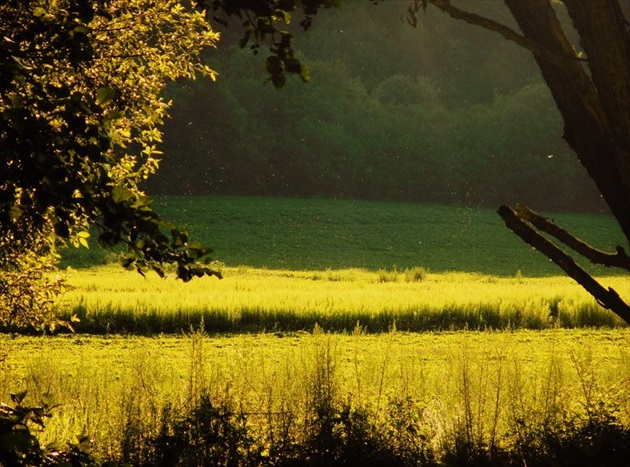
{"x": 81, "y": 108}
{"x": 443, "y": 113}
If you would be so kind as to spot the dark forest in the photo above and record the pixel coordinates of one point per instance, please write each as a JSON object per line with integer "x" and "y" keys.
{"x": 445, "y": 113}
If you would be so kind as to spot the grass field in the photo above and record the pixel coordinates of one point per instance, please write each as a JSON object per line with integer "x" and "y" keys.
{"x": 108, "y": 299}
{"x": 480, "y": 385}
{"x": 304, "y": 348}
{"x": 317, "y": 234}
{"x": 291, "y": 264}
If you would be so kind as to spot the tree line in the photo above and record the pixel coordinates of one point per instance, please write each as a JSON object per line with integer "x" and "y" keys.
{"x": 440, "y": 113}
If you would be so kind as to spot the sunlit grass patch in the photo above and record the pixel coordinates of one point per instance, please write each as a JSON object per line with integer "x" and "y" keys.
{"x": 108, "y": 299}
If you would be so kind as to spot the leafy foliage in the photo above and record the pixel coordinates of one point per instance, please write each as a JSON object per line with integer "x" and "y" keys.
{"x": 28, "y": 286}
{"x": 20, "y": 447}
{"x": 464, "y": 118}
{"x": 81, "y": 109}
{"x": 206, "y": 434}
{"x": 268, "y": 22}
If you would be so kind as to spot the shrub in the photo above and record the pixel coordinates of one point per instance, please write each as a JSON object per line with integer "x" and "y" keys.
{"x": 208, "y": 435}
{"x": 385, "y": 275}
{"x": 345, "y": 436}
{"x": 27, "y": 286}
{"x": 20, "y": 447}
{"x": 415, "y": 274}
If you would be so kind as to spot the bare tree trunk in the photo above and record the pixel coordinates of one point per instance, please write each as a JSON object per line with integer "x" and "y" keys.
{"x": 594, "y": 103}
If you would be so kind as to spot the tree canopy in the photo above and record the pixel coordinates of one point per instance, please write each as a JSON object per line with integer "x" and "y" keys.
{"x": 443, "y": 113}
{"x": 80, "y": 112}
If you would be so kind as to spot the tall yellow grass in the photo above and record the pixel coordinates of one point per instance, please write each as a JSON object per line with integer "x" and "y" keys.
{"x": 479, "y": 383}
{"x": 333, "y": 294}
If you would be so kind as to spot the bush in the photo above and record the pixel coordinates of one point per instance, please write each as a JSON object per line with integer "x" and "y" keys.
{"x": 415, "y": 274}
{"x": 336, "y": 434}
{"x": 19, "y": 447}
{"x": 208, "y": 435}
{"x": 28, "y": 287}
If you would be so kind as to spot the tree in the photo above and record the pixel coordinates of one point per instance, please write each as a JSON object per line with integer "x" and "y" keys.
{"x": 81, "y": 110}
{"x": 591, "y": 88}
{"x": 268, "y": 21}
{"x": 590, "y": 85}
{"x": 80, "y": 116}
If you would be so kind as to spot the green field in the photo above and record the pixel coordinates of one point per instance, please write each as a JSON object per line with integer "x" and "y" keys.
{"x": 319, "y": 234}
{"x": 290, "y": 264}
{"x": 309, "y": 352}
{"x": 108, "y": 299}
{"x": 429, "y": 392}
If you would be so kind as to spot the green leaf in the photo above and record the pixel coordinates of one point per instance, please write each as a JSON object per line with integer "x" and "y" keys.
{"x": 47, "y": 399}
{"x": 54, "y": 446}
{"x": 121, "y": 194}
{"x": 179, "y": 238}
{"x": 273, "y": 65}
{"x": 82, "y": 239}
{"x": 38, "y": 12}
{"x": 81, "y": 30}
{"x": 159, "y": 271}
{"x": 113, "y": 115}
{"x": 279, "y": 80}
{"x": 20, "y": 440}
{"x": 142, "y": 200}
{"x": 84, "y": 444}
{"x": 105, "y": 95}
{"x": 16, "y": 100}
{"x": 14, "y": 212}
{"x": 305, "y": 73}
{"x": 126, "y": 262}
{"x": 293, "y": 65}
{"x": 19, "y": 397}
{"x": 284, "y": 16}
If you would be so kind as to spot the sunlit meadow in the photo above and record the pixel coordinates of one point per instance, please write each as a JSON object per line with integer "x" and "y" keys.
{"x": 488, "y": 387}
{"x": 109, "y": 299}
{"x": 409, "y": 355}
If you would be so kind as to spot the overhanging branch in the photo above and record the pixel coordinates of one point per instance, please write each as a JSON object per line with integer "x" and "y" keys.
{"x": 507, "y": 32}
{"x": 607, "y": 298}
{"x": 595, "y": 256}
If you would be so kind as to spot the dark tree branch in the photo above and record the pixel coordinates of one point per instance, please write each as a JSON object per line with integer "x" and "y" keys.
{"x": 595, "y": 256}
{"x": 591, "y": 128}
{"x": 607, "y": 298}
{"x": 507, "y": 32}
